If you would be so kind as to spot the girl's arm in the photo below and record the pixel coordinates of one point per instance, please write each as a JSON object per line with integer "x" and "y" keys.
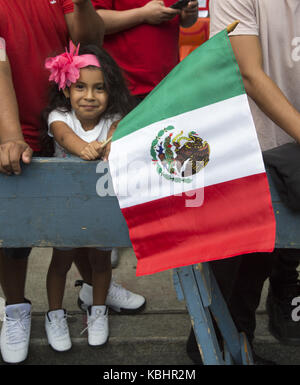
{"x": 66, "y": 138}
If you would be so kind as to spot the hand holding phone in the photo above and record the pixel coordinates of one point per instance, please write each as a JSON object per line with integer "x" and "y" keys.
{"x": 180, "y": 4}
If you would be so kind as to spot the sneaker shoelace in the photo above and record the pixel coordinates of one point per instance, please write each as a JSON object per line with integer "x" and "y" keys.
{"x": 59, "y": 326}
{"x": 17, "y": 328}
{"x": 118, "y": 291}
{"x": 98, "y": 320}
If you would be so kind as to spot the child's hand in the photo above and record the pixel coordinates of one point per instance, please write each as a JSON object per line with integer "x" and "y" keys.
{"x": 92, "y": 151}
{"x": 112, "y": 129}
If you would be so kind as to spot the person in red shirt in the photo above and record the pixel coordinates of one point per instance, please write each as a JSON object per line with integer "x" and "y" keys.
{"x": 32, "y": 31}
{"x": 143, "y": 38}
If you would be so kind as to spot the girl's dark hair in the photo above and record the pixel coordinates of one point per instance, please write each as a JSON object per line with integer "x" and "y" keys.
{"x": 120, "y": 101}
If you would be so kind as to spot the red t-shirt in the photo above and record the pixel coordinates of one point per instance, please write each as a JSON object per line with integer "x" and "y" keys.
{"x": 33, "y": 30}
{"x": 146, "y": 53}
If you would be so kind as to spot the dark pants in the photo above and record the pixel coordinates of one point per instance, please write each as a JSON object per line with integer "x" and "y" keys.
{"x": 284, "y": 271}
{"x": 241, "y": 280}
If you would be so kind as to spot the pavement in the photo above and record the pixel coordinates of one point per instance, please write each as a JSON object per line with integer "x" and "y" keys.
{"x": 157, "y": 336}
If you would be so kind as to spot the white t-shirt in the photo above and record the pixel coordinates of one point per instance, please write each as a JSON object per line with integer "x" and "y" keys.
{"x": 277, "y": 24}
{"x": 98, "y": 133}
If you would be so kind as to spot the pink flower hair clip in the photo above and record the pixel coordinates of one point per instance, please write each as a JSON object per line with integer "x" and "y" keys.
{"x": 65, "y": 68}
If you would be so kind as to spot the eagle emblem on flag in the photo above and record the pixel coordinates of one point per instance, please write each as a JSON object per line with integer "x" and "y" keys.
{"x": 178, "y": 156}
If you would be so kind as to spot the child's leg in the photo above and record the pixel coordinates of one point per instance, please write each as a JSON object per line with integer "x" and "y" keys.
{"x": 101, "y": 265}
{"x": 56, "y": 278}
{"x": 13, "y": 269}
{"x": 83, "y": 265}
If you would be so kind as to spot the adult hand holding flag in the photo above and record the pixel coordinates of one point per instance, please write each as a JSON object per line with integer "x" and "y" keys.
{"x": 193, "y": 135}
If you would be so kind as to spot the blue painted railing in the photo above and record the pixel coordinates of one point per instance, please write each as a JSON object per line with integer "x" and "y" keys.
{"x": 54, "y": 202}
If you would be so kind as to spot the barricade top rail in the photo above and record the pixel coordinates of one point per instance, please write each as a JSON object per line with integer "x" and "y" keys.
{"x": 63, "y": 203}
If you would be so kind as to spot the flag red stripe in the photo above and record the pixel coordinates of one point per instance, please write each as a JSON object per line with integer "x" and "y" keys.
{"x": 235, "y": 218}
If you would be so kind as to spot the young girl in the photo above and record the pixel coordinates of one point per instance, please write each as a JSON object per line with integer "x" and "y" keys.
{"x": 89, "y": 98}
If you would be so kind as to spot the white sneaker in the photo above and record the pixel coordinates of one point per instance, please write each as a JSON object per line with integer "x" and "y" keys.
{"x": 15, "y": 333}
{"x": 114, "y": 257}
{"x": 121, "y": 300}
{"x": 97, "y": 321}
{"x": 118, "y": 298}
{"x": 57, "y": 330}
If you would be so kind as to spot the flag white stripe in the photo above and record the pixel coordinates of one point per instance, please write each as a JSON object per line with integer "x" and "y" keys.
{"x": 234, "y": 152}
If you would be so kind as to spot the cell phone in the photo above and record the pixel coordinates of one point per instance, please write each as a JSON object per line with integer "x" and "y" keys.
{"x": 180, "y": 4}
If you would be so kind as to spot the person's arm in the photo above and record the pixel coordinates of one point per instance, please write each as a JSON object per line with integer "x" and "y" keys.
{"x": 189, "y": 14}
{"x": 84, "y": 25}
{"x": 261, "y": 88}
{"x": 12, "y": 144}
{"x": 153, "y": 12}
{"x": 71, "y": 142}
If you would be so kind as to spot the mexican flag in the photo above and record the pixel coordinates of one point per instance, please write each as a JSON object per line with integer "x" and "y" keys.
{"x": 187, "y": 167}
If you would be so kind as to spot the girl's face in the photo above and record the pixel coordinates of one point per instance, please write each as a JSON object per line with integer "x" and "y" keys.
{"x": 88, "y": 97}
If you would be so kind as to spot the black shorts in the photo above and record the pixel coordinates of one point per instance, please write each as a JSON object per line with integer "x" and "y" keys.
{"x": 17, "y": 253}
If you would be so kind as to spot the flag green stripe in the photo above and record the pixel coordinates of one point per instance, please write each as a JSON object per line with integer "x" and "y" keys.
{"x": 208, "y": 75}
